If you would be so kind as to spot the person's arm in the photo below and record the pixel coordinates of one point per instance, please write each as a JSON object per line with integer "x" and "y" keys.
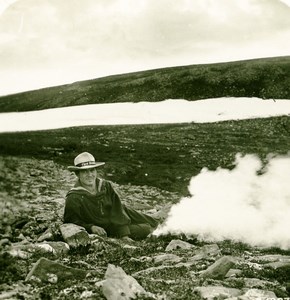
{"x": 118, "y": 217}
{"x": 98, "y": 230}
{"x": 72, "y": 213}
{"x": 118, "y": 213}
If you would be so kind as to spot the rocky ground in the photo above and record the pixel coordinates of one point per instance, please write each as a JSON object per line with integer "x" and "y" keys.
{"x": 42, "y": 259}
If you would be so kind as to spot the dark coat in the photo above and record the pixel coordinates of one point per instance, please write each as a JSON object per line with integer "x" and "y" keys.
{"x": 103, "y": 209}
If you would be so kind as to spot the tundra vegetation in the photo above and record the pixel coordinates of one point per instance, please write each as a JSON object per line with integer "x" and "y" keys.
{"x": 152, "y": 165}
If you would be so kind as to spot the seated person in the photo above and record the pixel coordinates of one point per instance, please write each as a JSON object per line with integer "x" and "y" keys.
{"x": 95, "y": 204}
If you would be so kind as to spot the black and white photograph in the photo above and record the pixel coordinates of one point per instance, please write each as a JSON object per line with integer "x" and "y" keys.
{"x": 145, "y": 149}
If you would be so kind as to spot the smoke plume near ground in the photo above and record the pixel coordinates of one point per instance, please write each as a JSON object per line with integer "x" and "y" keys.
{"x": 250, "y": 203}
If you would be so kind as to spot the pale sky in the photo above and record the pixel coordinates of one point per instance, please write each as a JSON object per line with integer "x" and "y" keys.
{"x": 52, "y": 42}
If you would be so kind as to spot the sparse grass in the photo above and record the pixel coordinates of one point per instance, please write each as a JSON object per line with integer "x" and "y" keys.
{"x": 163, "y": 156}
{"x": 10, "y": 269}
{"x": 265, "y": 78}
{"x": 169, "y": 154}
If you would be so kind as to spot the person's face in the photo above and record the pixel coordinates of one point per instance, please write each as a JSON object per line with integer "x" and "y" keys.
{"x": 88, "y": 176}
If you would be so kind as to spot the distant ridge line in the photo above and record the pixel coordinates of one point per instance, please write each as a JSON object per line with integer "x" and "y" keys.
{"x": 266, "y": 78}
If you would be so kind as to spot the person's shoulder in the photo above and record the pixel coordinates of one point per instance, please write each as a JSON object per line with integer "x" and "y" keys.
{"x": 75, "y": 191}
{"x": 106, "y": 184}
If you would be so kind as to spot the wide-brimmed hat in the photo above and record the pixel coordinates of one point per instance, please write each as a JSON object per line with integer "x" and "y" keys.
{"x": 84, "y": 161}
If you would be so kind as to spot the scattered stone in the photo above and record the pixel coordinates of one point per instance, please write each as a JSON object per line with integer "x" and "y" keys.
{"x": 21, "y": 237}
{"x": 14, "y": 291}
{"x": 52, "y": 278}
{"x": 254, "y": 266}
{"x": 272, "y": 258}
{"x": 219, "y": 269}
{"x": 278, "y": 264}
{"x": 99, "y": 283}
{"x": 199, "y": 256}
{"x": 24, "y": 250}
{"x": 254, "y": 294}
{"x": 45, "y": 209}
{"x": 178, "y": 244}
{"x": 86, "y": 294}
{"x": 98, "y": 245}
{"x": 56, "y": 248}
{"x": 4, "y": 242}
{"x": 59, "y": 247}
{"x": 233, "y": 273}
{"x": 130, "y": 249}
{"x": 74, "y": 235}
{"x": 256, "y": 283}
{"x": 46, "y": 248}
{"x": 155, "y": 269}
{"x": 166, "y": 259}
{"x": 275, "y": 261}
{"x": 8, "y": 295}
{"x": 205, "y": 252}
{"x": 141, "y": 259}
{"x": 212, "y": 249}
{"x": 119, "y": 285}
{"x": 46, "y": 236}
{"x": 217, "y": 292}
{"x": 19, "y": 253}
{"x": 46, "y": 270}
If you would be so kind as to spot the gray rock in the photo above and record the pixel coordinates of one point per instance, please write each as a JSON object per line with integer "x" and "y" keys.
{"x": 204, "y": 252}
{"x": 74, "y": 235}
{"x": 98, "y": 245}
{"x": 8, "y": 295}
{"x": 15, "y": 292}
{"x": 147, "y": 271}
{"x": 130, "y": 250}
{"x": 217, "y": 292}
{"x": 278, "y": 264}
{"x": 166, "y": 258}
{"x": 212, "y": 249}
{"x": 274, "y": 261}
{"x": 46, "y": 236}
{"x": 272, "y": 258}
{"x": 43, "y": 247}
{"x": 179, "y": 244}
{"x": 119, "y": 285}
{"x": 25, "y": 250}
{"x": 142, "y": 259}
{"x": 233, "y": 273}
{"x": 19, "y": 253}
{"x": 219, "y": 269}
{"x": 254, "y": 294}
{"x": 46, "y": 270}
{"x": 257, "y": 283}
{"x": 59, "y": 247}
{"x": 87, "y": 294}
{"x": 4, "y": 242}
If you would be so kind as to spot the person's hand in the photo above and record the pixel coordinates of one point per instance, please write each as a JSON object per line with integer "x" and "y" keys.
{"x": 98, "y": 230}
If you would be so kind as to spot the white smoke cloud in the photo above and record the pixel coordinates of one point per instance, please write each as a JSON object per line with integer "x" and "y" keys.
{"x": 237, "y": 204}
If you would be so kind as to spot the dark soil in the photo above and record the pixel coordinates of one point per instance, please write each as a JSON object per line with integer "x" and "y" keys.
{"x": 163, "y": 156}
